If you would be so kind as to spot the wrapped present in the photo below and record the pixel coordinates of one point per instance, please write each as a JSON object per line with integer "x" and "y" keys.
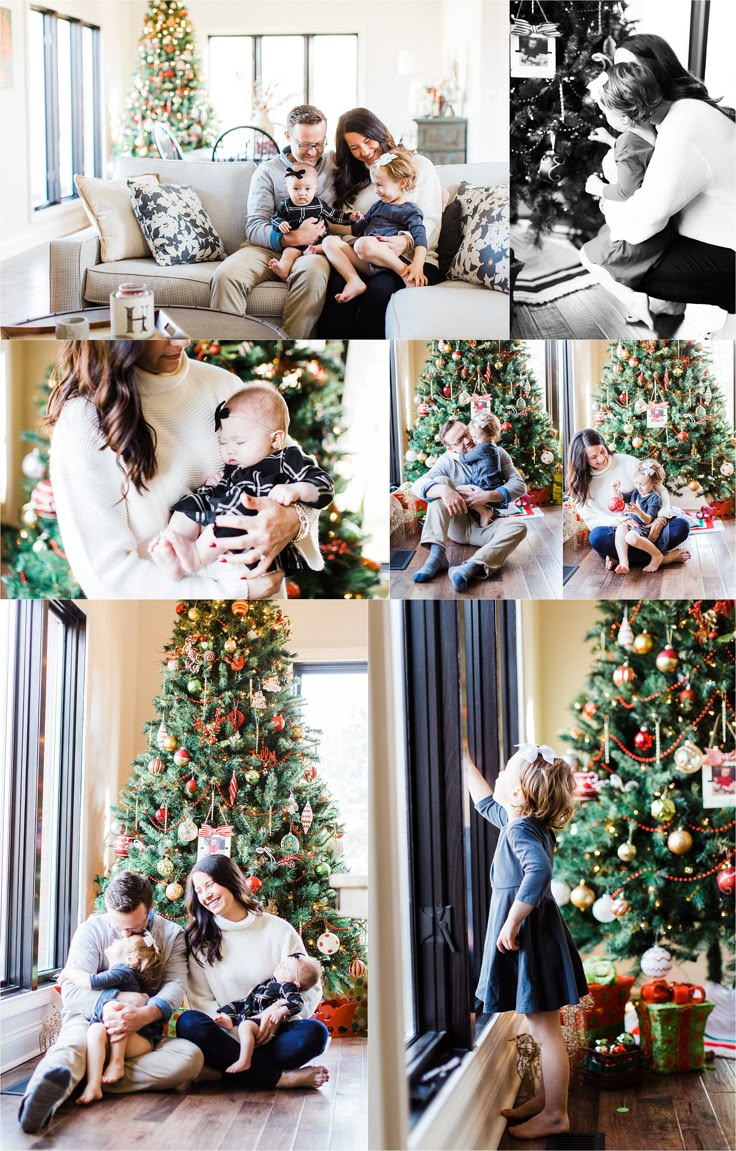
{"x": 672, "y": 1034}
{"x": 337, "y": 1015}
{"x": 605, "y": 1019}
{"x": 613, "y": 1066}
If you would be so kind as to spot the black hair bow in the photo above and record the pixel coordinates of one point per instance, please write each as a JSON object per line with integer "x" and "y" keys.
{"x": 296, "y": 172}
{"x": 222, "y": 412}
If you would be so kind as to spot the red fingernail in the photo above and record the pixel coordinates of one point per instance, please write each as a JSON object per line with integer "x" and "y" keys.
{"x": 223, "y": 560}
{"x": 213, "y": 545}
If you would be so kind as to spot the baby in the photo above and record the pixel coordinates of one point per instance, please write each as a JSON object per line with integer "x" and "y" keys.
{"x": 252, "y": 428}
{"x": 642, "y": 505}
{"x": 393, "y": 176}
{"x": 296, "y": 973}
{"x": 135, "y": 965}
{"x": 302, "y": 204}
{"x": 483, "y": 462}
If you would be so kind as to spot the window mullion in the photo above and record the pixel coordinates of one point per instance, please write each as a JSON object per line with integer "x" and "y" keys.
{"x": 51, "y": 94}
{"x": 77, "y": 97}
{"x": 70, "y": 768}
{"x": 96, "y": 97}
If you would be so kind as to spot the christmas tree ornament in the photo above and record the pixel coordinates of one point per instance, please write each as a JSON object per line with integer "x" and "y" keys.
{"x": 625, "y": 633}
{"x": 323, "y": 870}
{"x": 687, "y": 699}
{"x": 726, "y": 468}
{"x": 156, "y": 765}
{"x": 170, "y": 743}
{"x": 252, "y": 777}
{"x": 679, "y": 842}
{"x": 278, "y": 723}
{"x": 643, "y": 740}
{"x": 307, "y": 816}
{"x": 582, "y": 896}
{"x": 667, "y": 660}
{"x": 637, "y": 443}
{"x": 310, "y": 774}
{"x": 602, "y": 909}
{"x": 172, "y": 665}
{"x": 271, "y": 683}
{"x": 328, "y": 943}
{"x": 726, "y": 880}
{"x": 230, "y": 645}
{"x": 236, "y": 719}
{"x": 42, "y": 500}
{"x": 116, "y": 826}
{"x": 187, "y": 831}
{"x": 626, "y": 852}
{"x": 296, "y": 731}
{"x": 259, "y": 701}
{"x": 357, "y": 969}
{"x": 28, "y": 515}
{"x": 160, "y": 814}
{"x": 682, "y": 436}
{"x": 662, "y": 809}
{"x": 239, "y": 607}
{"x": 616, "y": 504}
{"x": 161, "y": 735}
{"x": 620, "y": 907}
{"x": 33, "y": 465}
{"x": 656, "y": 962}
{"x": 191, "y": 786}
{"x": 193, "y": 614}
{"x": 643, "y": 643}
{"x": 688, "y": 757}
{"x": 292, "y": 806}
{"x": 165, "y": 866}
{"x": 547, "y": 457}
{"x": 232, "y": 789}
{"x": 174, "y": 891}
{"x": 121, "y": 844}
{"x": 290, "y": 843}
{"x": 253, "y": 883}
{"x": 624, "y": 676}
{"x": 589, "y": 709}
{"x": 194, "y": 686}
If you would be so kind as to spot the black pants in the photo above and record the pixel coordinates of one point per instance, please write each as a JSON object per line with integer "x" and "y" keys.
{"x": 292, "y": 1046}
{"x": 695, "y": 273}
{"x": 363, "y": 318}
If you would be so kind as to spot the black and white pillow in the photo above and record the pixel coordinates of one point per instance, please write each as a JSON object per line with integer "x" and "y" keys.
{"x": 483, "y": 255}
{"x": 176, "y": 226}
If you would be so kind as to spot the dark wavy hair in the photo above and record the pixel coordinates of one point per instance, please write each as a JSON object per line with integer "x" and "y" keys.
{"x": 633, "y": 91}
{"x": 578, "y": 469}
{"x": 673, "y": 78}
{"x": 203, "y": 936}
{"x": 103, "y": 372}
{"x": 351, "y": 174}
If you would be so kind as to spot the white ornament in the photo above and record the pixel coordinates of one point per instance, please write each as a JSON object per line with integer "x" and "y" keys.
{"x": 259, "y": 701}
{"x": 602, "y": 909}
{"x": 271, "y": 683}
{"x": 656, "y": 962}
{"x": 411, "y": 457}
{"x": 726, "y": 468}
{"x": 115, "y": 827}
{"x": 464, "y": 397}
{"x": 33, "y": 465}
{"x": 547, "y": 457}
{"x": 625, "y": 633}
{"x": 161, "y": 735}
{"x": 328, "y": 943}
{"x": 187, "y": 831}
{"x": 560, "y": 892}
{"x": 688, "y": 757}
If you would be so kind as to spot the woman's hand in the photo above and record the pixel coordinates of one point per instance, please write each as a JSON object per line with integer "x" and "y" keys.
{"x": 398, "y": 244}
{"x": 269, "y": 1025}
{"x": 264, "y": 535}
{"x": 655, "y": 529}
{"x": 508, "y": 937}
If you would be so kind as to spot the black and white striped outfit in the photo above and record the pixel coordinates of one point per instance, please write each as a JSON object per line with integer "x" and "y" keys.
{"x": 287, "y": 466}
{"x": 262, "y": 996}
{"x": 296, "y": 214}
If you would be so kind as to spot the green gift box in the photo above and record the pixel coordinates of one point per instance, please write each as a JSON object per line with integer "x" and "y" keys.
{"x": 672, "y": 1035}
{"x": 605, "y": 1019}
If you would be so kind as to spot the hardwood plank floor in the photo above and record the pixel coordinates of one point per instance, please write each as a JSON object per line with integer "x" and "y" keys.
{"x": 589, "y": 314}
{"x": 666, "y": 1113}
{"x": 709, "y": 574}
{"x": 532, "y": 571}
{"x": 212, "y": 1117}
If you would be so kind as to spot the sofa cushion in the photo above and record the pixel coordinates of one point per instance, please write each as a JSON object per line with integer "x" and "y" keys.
{"x": 110, "y": 212}
{"x": 483, "y": 256}
{"x": 453, "y": 310}
{"x": 175, "y": 224}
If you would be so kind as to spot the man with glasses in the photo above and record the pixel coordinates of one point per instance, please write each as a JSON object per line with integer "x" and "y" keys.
{"x": 129, "y": 902}
{"x": 306, "y": 134}
{"x": 450, "y": 502}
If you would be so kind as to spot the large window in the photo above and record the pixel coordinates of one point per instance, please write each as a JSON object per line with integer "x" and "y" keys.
{"x": 42, "y": 685}
{"x": 288, "y": 70}
{"x": 65, "y": 105}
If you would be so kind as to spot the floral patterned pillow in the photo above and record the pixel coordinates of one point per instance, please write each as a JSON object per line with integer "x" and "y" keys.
{"x": 483, "y": 256}
{"x": 176, "y": 226}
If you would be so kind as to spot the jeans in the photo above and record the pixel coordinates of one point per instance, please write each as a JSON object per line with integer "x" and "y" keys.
{"x": 364, "y": 317}
{"x": 603, "y": 539}
{"x": 291, "y": 1047}
{"x": 693, "y": 272}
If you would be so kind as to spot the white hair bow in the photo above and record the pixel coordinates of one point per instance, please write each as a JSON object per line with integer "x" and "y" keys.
{"x": 386, "y": 158}
{"x": 648, "y": 467}
{"x": 150, "y": 941}
{"x": 482, "y": 420}
{"x": 530, "y": 752}
{"x": 596, "y": 86}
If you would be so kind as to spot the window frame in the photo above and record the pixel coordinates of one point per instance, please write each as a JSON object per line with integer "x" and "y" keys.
{"x": 26, "y": 768}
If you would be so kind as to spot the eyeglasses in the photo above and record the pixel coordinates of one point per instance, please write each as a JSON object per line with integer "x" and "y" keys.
{"x": 453, "y": 445}
{"x": 307, "y": 148}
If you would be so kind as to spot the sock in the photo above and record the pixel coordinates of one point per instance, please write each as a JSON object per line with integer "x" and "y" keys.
{"x": 48, "y": 1092}
{"x": 434, "y": 564}
{"x": 464, "y": 573}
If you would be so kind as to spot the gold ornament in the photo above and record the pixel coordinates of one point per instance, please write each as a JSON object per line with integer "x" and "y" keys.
{"x": 193, "y": 614}
{"x": 239, "y": 607}
{"x": 637, "y": 442}
{"x": 667, "y": 660}
{"x": 170, "y": 742}
{"x": 679, "y": 841}
{"x": 582, "y": 896}
{"x": 688, "y": 757}
{"x": 164, "y": 867}
{"x": 156, "y": 766}
{"x": 643, "y": 643}
{"x": 174, "y": 891}
{"x": 626, "y": 852}
{"x": 662, "y": 809}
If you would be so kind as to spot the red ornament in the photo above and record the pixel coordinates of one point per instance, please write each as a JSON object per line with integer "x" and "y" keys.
{"x": 253, "y": 883}
{"x": 278, "y": 723}
{"x": 160, "y": 814}
{"x": 357, "y": 969}
{"x": 643, "y": 740}
{"x": 687, "y": 698}
{"x": 423, "y": 409}
{"x": 616, "y": 504}
{"x": 446, "y": 390}
{"x": 233, "y": 788}
{"x": 121, "y": 843}
{"x": 236, "y": 719}
{"x": 293, "y": 591}
{"x": 310, "y": 774}
{"x": 667, "y": 660}
{"x": 682, "y": 437}
{"x": 191, "y": 786}
{"x": 42, "y": 500}
{"x": 180, "y": 608}
{"x": 619, "y": 907}
{"x": 589, "y": 709}
{"x": 505, "y": 426}
{"x": 623, "y": 397}
{"x": 599, "y": 417}
{"x": 726, "y": 880}
{"x": 624, "y": 675}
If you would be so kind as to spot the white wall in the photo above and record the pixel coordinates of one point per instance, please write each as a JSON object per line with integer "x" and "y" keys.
{"x": 476, "y": 32}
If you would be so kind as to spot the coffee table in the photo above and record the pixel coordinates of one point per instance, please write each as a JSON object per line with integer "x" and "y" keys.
{"x": 198, "y": 323}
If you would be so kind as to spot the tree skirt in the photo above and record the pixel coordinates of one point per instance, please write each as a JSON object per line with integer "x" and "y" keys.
{"x": 703, "y": 524}
{"x": 550, "y": 271}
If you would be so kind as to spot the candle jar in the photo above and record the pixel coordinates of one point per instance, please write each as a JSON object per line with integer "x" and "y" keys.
{"x": 132, "y": 313}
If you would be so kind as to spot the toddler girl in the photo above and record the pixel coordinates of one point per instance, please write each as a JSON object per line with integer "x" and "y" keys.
{"x": 296, "y": 973}
{"x": 483, "y": 462}
{"x": 303, "y": 204}
{"x": 641, "y": 506}
{"x": 629, "y": 95}
{"x": 392, "y": 176}
{"x": 135, "y": 965}
{"x": 530, "y": 964}
{"x": 252, "y": 429}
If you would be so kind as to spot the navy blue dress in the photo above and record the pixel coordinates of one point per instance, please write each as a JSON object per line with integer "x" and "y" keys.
{"x": 546, "y": 972}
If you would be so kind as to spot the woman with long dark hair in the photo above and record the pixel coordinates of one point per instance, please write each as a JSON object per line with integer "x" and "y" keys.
{"x": 360, "y": 140}
{"x": 132, "y": 428}
{"x": 592, "y": 471}
{"x": 233, "y": 944}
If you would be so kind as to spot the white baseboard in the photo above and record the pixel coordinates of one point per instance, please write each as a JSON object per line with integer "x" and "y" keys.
{"x": 20, "y": 1022}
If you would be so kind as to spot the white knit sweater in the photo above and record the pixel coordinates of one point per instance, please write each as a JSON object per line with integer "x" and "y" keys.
{"x": 106, "y": 535}
{"x": 691, "y": 178}
{"x": 595, "y": 512}
{"x": 251, "y": 949}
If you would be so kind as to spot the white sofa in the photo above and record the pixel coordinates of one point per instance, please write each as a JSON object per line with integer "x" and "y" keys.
{"x": 450, "y": 310}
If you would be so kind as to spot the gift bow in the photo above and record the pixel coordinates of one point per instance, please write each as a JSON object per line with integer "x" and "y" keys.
{"x": 660, "y": 991}
{"x": 531, "y": 751}
{"x": 206, "y": 831}
{"x": 524, "y": 28}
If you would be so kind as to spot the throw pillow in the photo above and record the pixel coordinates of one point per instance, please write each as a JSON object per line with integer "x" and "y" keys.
{"x": 110, "y": 211}
{"x": 483, "y": 255}
{"x": 175, "y": 224}
{"x": 451, "y": 234}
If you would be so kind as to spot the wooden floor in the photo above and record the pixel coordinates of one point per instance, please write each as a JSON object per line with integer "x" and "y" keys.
{"x": 24, "y": 285}
{"x": 533, "y": 571}
{"x": 708, "y": 575}
{"x": 211, "y": 1117}
{"x": 667, "y": 1113}
{"x": 590, "y": 314}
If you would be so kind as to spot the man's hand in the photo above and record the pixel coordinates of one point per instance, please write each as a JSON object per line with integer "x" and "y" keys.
{"x": 310, "y": 232}
{"x": 269, "y": 1025}
{"x": 478, "y": 498}
{"x": 123, "y": 1019}
{"x": 452, "y": 499}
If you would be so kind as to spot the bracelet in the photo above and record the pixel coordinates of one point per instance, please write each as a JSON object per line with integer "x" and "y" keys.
{"x": 304, "y": 524}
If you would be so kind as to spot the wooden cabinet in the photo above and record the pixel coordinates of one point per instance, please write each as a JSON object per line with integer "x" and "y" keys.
{"x": 443, "y": 139}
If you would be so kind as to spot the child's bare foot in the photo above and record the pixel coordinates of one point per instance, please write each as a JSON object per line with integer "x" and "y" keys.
{"x": 622, "y": 569}
{"x": 352, "y": 289}
{"x": 90, "y": 1094}
{"x": 275, "y": 266}
{"x": 238, "y": 1065}
{"x": 540, "y": 1125}
{"x": 677, "y": 556}
{"x": 164, "y": 556}
{"x": 654, "y": 564}
{"x": 609, "y": 563}
{"x": 304, "y": 1077}
{"x": 113, "y": 1073}
{"x": 525, "y": 1111}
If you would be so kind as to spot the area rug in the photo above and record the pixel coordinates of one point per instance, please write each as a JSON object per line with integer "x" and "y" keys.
{"x": 704, "y": 524}
{"x": 17, "y": 1088}
{"x": 400, "y": 560}
{"x": 526, "y": 511}
{"x": 550, "y": 271}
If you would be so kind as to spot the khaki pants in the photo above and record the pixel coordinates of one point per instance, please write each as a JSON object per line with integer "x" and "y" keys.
{"x": 171, "y": 1062}
{"x": 495, "y": 542}
{"x": 248, "y": 267}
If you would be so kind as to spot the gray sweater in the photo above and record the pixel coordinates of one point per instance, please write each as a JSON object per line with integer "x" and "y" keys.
{"x": 87, "y": 952}
{"x": 268, "y": 189}
{"x": 449, "y": 470}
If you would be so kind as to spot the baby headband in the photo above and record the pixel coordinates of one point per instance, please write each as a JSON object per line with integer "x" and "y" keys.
{"x": 386, "y": 158}
{"x": 596, "y": 86}
{"x": 222, "y": 412}
{"x": 297, "y": 172}
{"x": 531, "y": 751}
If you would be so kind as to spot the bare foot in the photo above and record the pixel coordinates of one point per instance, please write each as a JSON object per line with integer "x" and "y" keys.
{"x": 304, "y": 1077}
{"x": 352, "y": 289}
{"x": 622, "y": 569}
{"x": 609, "y": 564}
{"x": 112, "y": 1074}
{"x": 275, "y": 266}
{"x": 164, "y": 556}
{"x": 239, "y": 1065}
{"x": 525, "y": 1111}
{"x": 541, "y": 1125}
{"x": 677, "y": 556}
{"x": 90, "y": 1094}
{"x": 654, "y": 564}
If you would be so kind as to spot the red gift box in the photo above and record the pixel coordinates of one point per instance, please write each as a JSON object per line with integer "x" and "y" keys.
{"x": 605, "y": 1020}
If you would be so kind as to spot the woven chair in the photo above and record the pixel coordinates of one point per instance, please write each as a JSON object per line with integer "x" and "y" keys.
{"x": 245, "y": 143}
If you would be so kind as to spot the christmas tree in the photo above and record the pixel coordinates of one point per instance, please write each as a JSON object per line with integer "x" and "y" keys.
{"x": 659, "y": 399}
{"x": 167, "y": 86}
{"x": 650, "y": 864}
{"x": 230, "y": 767}
{"x": 467, "y": 375}
{"x": 33, "y": 554}
{"x": 552, "y": 117}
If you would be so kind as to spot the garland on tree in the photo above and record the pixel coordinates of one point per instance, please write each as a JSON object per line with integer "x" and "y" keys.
{"x": 461, "y": 376}
{"x": 230, "y": 767}
{"x": 654, "y": 727}
{"x": 167, "y": 87}
{"x": 660, "y": 400}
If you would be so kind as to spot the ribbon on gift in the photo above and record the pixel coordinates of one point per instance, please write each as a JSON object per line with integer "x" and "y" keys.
{"x": 205, "y": 831}
{"x": 599, "y": 971}
{"x": 660, "y": 991}
{"x": 521, "y": 27}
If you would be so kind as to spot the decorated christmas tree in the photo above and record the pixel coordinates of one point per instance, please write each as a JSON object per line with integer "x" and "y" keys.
{"x": 229, "y": 767}
{"x": 650, "y": 853}
{"x": 167, "y": 86}
{"x": 553, "y": 116}
{"x": 466, "y": 376}
{"x": 659, "y": 399}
